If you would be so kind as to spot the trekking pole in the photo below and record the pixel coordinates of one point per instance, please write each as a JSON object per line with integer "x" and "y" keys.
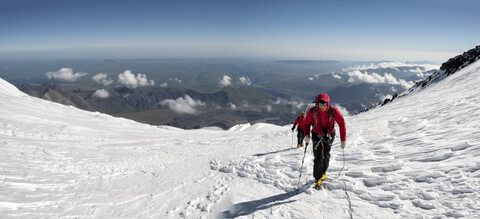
{"x": 301, "y": 168}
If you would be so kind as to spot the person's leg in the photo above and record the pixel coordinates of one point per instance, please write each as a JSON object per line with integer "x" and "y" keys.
{"x": 317, "y": 153}
{"x": 326, "y": 153}
{"x": 326, "y": 158}
{"x": 302, "y": 136}
{"x": 298, "y": 137}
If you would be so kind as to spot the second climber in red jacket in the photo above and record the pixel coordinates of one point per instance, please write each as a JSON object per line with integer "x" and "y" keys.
{"x": 300, "y": 128}
{"x": 322, "y": 118}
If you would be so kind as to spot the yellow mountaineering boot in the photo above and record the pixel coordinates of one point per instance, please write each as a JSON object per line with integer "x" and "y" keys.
{"x": 318, "y": 183}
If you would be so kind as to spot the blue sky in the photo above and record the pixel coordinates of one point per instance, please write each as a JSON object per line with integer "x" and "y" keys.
{"x": 363, "y": 30}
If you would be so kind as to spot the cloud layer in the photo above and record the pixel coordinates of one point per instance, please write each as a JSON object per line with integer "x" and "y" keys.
{"x": 374, "y": 78}
{"x": 394, "y": 65}
{"x": 65, "y": 74}
{"x": 130, "y": 80}
{"x": 183, "y": 105}
{"x": 356, "y": 75}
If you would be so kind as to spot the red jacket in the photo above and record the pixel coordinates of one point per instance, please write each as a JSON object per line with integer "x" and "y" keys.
{"x": 324, "y": 119}
{"x": 299, "y": 122}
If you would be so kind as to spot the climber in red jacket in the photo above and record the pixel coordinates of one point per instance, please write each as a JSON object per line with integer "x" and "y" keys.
{"x": 300, "y": 129}
{"x": 323, "y": 117}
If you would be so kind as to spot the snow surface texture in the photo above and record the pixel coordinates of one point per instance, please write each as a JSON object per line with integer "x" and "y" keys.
{"x": 416, "y": 157}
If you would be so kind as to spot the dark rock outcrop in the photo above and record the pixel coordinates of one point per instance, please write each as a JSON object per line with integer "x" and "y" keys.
{"x": 448, "y": 68}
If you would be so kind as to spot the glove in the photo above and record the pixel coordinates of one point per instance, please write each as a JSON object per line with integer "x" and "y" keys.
{"x": 343, "y": 144}
{"x": 293, "y": 129}
{"x": 307, "y": 139}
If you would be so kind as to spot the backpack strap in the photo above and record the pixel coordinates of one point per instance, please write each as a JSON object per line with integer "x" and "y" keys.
{"x": 332, "y": 114}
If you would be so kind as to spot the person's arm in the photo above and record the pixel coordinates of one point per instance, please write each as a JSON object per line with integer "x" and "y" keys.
{"x": 341, "y": 124}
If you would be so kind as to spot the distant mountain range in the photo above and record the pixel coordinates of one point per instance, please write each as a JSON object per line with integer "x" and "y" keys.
{"x": 224, "y": 108}
{"x": 188, "y": 93}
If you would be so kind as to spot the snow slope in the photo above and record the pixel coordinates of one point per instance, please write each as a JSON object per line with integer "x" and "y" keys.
{"x": 415, "y": 157}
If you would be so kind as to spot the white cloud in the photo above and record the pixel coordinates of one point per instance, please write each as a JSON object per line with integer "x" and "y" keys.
{"x": 127, "y": 78}
{"x": 175, "y": 79}
{"x": 102, "y": 78}
{"x": 393, "y": 89}
{"x": 102, "y": 93}
{"x": 294, "y": 103}
{"x": 225, "y": 81}
{"x": 232, "y": 106}
{"x": 315, "y": 76}
{"x": 245, "y": 81}
{"x": 423, "y": 74}
{"x": 164, "y": 84}
{"x": 130, "y": 80}
{"x": 183, "y": 105}
{"x": 337, "y": 76}
{"x": 395, "y": 65}
{"x": 269, "y": 108}
{"x": 374, "y": 78}
{"x": 417, "y": 70}
{"x": 65, "y": 74}
{"x": 143, "y": 81}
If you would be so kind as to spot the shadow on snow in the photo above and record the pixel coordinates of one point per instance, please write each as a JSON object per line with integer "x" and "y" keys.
{"x": 274, "y": 152}
{"x": 249, "y": 207}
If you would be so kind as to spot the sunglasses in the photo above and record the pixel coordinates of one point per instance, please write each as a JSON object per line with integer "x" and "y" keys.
{"x": 324, "y": 104}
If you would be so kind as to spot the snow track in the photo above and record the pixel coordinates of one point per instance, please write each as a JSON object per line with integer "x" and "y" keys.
{"x": 416, "y": 157}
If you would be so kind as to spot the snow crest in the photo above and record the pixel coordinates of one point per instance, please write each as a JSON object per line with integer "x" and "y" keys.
{"x": 8, "y": 89}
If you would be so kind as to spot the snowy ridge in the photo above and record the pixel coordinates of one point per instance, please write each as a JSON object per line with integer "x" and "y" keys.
{"x": 416, "y": 157}
{"x": 9, "y": 89}
{"x": 448, "y": 68}
{"x": 255, "y": 128}
{"x": 239, "y": 127}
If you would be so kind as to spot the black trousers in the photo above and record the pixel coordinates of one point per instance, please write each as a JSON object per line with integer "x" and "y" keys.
{"x": 321, "y": 153}
{"x": 300, "y": 135}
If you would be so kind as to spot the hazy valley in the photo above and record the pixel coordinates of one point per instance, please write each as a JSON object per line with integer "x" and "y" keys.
{"x": 195, "y": 93}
